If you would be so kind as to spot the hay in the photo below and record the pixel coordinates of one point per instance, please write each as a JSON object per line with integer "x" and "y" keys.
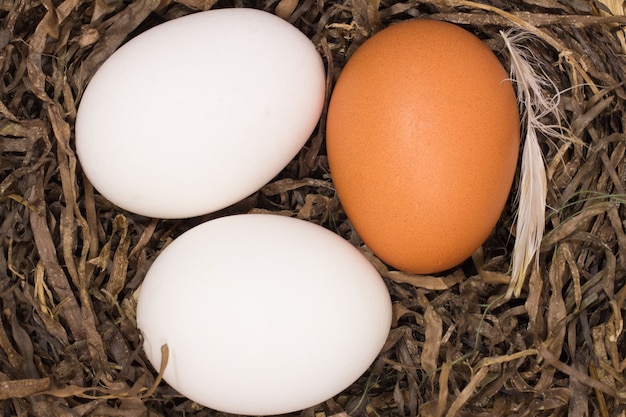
{"x": 71, "y": 262}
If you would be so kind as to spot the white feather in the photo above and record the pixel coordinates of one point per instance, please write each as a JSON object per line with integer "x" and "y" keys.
{"x": 532, "y": 84}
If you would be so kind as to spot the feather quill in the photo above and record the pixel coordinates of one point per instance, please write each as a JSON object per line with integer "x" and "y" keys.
{"x": 535, "y": 105}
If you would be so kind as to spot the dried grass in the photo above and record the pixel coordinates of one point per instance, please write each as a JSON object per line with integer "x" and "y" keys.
{"x": 71, "y": 262}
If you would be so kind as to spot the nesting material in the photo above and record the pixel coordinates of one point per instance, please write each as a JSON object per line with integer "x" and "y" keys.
{"x": 71, "y": 262}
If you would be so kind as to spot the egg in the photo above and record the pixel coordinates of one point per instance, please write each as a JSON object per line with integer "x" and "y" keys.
{"x": 422, "y": 140}
{"x": 199, "y": 112}
{"x": 262, "y": 314}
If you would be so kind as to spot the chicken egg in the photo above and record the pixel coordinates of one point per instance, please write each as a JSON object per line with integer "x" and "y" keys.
{"x": 199, "y": 112}
{"x": 262, "y": 314}
{"x": 422, "y": 140}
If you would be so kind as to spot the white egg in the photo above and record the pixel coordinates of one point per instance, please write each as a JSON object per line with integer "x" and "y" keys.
{"x": 262, "y": 314}
{"x": 199, "y": 112}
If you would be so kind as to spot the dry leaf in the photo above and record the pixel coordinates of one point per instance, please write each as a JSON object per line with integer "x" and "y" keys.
{"x": 285, "y": 8}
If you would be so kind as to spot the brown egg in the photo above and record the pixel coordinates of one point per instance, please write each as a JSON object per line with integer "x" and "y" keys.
{"x": 422, "y": 141}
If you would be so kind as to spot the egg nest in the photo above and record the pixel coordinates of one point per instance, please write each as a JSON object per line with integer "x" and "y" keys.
{"x": 71, "y": 262}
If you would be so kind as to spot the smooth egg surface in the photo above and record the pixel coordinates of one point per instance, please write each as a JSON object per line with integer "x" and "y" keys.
{"x": 262, "y": 314}
{"x": 422, "y": 140}
{"x": 199, "y": 112}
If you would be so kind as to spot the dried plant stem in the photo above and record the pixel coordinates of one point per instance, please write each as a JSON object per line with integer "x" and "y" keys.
{"x": 616, "y": 8}
{"x": 564, "y": 52}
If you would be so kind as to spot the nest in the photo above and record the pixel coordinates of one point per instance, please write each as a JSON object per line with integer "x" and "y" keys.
{"x": 71, "y": 262}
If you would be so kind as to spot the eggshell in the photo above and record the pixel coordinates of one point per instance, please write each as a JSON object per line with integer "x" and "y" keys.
{"x": 199, "y": 112}
{"x": 262, "y": 314}
{"x": 422, "y": 141}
